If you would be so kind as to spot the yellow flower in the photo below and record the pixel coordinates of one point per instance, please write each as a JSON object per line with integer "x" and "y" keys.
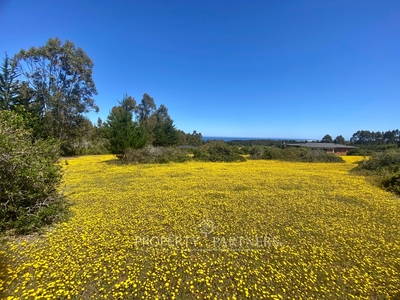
{"x": 274, "y": 230}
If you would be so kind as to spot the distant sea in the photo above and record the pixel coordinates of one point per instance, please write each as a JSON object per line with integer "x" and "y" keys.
{"x": 227, "y": 139}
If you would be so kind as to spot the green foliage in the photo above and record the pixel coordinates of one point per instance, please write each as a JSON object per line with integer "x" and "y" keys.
{"x": 386, "y": 147}
{"x": 327, "y": 139}
{"x": 359, "y": 152}
{"x": 152, "y": 154}
{"x": 246, "y": 149}
{"x": 152, "y": 126}
{"x": 388, "y": 161}
{"x": 192, "y": 139}
{"x": 120, "y": 129}
{"x": 384, "y": 167}
{"x": 57, "y": 89}
{"x": 146, "y": 108}
{"x": 241, "y": 150}
{"x": 321, "y": 156}
{"x": 217, "y": 151}
{"x": 93, "y": 141}
{"x": 58, "y": 78}
{"x": 9, "y": 85}
{"x": 29, "y": 177}
{"x": 391, "y": 182}
{"x": 165, "y": 134}
{"x": 273, "y": 153}
{"x": 366, "y": 137}
{"x": 256, "y": 152}
{"x": 292, "y": 154}
{"x": 145, "y": 116}
{"x": 339, "y": 140}
{"x": 370, "y": 149}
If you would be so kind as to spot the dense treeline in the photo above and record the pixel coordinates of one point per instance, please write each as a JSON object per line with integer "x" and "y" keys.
{"x": 368, "y": 142}
{"x": 359, "y": 138}
{"x": 367, "y": 137}
{"x": 53, "y": 85}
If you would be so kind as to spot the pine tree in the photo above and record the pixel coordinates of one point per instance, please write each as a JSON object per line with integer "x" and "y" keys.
{"x": 9, "y": 85}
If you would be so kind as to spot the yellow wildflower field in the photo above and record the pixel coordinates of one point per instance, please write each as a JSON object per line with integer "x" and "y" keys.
{"x": 248, "y": 230}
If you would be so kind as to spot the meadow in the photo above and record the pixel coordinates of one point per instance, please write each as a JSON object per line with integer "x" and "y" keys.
{"x": 196, "y": 230}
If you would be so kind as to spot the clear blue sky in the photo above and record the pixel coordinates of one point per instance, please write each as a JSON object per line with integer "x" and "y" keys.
{"x": 270, "y": 68}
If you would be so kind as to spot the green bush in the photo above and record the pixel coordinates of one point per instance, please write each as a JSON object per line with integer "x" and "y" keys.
{"x": 256, "y": 152}
{"x": 273, "y": 153}
{"x": 388, "y": 161}
{"x": 293, "y": 154}
{"x": 321, "y": 156}
{"x": 152, "y": 154}
{"x": 360, "y": 152}
{"x": 217, "y": 151}
{"x": 385, "y": 169}
{"x": 391, "y": 182}
{"x": 245, "y": 149}
{"x": 29, "y": 177}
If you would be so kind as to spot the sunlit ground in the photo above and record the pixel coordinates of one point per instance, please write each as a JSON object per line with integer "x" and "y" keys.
{"x": 256, "y": 229}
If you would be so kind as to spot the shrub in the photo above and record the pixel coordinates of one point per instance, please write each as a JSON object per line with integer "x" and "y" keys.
{"x": 29, "y": 177}
{"x": 385, "y": 168}
{"x": 391, "y": 182}
{"x": 359, "y": 152}
{"x": 293, "y": 154}
{"x": 217, "y": 151}
{"x": 256, "y": 152}
{"x": 388, "y": 161}
{"x": 152, "y": 154}
{"x": 321, "y": 156}
{"x": 245, "y": 149}
{"x": 272, "y": 153}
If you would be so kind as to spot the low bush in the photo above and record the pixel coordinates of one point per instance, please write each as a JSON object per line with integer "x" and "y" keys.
{"x": 29, "y": 177}
{"x": 360, "y": 152}
{"x": 256, "y": 152}
{"x": 217, "y": 151}
{"x": 152, "y": 154}
{"x": 385, "y": 167}
{"x": 321, "y": 156}
{"x": 391, "y": 182}
{"x": 273, "y": 153}
{"x": 293, "y": 154}
{"x": 388, "y": 161}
